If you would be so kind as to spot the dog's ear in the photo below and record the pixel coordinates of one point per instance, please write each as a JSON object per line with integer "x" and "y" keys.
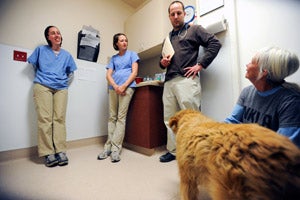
{"x": 173, "y": 121}
{"x": 173, "y": 124}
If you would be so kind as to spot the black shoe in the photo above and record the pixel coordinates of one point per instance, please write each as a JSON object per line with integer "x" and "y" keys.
{"x": 167, "y": 157}
{"x": 62, "y": 158}
{"x": 51, "y": 160}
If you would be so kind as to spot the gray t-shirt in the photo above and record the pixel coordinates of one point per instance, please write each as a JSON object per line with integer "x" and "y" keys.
{"x": 279, "y": 109}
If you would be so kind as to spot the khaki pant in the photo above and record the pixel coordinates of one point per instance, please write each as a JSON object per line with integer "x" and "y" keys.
{"x": 179, "y": 93}
{"x": 51, "y": 107}
{"x": 118, "y": 107}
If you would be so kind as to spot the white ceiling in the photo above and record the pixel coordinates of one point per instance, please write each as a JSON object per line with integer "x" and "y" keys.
{"x": 135, "y": 3}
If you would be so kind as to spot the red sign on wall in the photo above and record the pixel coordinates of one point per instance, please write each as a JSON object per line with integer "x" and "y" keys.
{"x": 20, "y": 56}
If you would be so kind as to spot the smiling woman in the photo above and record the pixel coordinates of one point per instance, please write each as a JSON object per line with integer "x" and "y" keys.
{"x": 53, "y": 37}
{"x": 53, "y": 69}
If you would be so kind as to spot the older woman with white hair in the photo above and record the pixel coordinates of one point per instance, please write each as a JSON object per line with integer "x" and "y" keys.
{"x": 271, "y": 101}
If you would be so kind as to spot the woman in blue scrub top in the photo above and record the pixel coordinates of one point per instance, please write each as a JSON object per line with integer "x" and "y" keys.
{"x": 121, "y": 72}
{"x": 54, "y": 67}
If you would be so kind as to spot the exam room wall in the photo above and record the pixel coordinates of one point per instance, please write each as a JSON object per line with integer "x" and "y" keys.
{"x": 23, "y": 22}
{"x": 22, "y": 25}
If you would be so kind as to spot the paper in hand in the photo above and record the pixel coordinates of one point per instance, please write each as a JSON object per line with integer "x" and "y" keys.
{"x": 167, "y": 49}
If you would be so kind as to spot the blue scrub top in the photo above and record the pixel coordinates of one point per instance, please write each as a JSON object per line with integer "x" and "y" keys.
{"x": 52, "y": 70}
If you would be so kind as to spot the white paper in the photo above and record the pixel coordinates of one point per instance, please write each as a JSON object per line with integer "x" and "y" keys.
{"x": 89, "y": 40}
{"x": 167, "y": 49}
{"x": 87, "y": 74}
{"x": 89, "y": 30}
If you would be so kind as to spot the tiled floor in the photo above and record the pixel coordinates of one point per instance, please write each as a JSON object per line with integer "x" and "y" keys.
{"x": 135, "y": 177}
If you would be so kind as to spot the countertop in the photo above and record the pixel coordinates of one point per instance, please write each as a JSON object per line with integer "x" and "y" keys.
{"x": 154, "y": 83}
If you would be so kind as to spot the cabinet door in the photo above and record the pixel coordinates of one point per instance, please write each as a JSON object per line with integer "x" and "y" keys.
{"x": 144, "y": 124}
{"x": 148, "y": 26}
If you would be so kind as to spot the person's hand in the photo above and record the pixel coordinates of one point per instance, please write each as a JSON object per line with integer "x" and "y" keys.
{"x": 165, "y": 61}
{"x": 123, "y": 94}
{"x": 192, "y": 71}
{"x": 121, "y": 90}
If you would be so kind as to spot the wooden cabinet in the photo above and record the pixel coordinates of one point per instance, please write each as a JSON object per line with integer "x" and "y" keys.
{"x": 145, "y": 125}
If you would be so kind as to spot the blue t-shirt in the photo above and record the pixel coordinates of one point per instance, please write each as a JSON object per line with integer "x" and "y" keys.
{"x": 52, "y": 70}
{"x": 122, "y": 67}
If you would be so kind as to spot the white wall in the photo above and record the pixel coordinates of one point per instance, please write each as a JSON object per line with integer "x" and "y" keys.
{"x": 267, "y": 23}
{"x": 16, "y": 108}
{"x": 220, "y": 82}
{"x": 23, "y": 22}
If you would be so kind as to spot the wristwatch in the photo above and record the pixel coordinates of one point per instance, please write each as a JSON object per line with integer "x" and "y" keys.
{"x": 190, "y": 14}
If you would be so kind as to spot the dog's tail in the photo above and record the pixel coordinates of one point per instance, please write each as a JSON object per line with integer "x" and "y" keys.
{"x": 173, "y": 124}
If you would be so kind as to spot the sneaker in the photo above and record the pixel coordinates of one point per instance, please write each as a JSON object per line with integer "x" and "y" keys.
{"x": 167, "y": 157}
{"x": 62, "y": 158}
{"x": 104, "y": 155}
{"x": 115, "y": 156}
{"x": 50, "y": 160}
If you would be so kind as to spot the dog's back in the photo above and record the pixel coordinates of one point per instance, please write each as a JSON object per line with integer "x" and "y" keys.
{"x": 235, "y": 161}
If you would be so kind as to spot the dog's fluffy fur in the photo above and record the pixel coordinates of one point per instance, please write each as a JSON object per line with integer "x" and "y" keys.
{"x": 234, "y": 161}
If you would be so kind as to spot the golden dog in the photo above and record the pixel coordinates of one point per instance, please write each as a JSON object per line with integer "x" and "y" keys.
{"x": 234, "y": 161}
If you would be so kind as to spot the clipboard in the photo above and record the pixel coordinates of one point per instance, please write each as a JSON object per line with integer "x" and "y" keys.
{"x": 167, "y": 49}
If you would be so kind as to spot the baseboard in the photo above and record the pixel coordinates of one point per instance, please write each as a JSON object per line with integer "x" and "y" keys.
{"x": 86, "y": 142}
{"x": 32, "y": 151}
{"x": 139, "y": 149}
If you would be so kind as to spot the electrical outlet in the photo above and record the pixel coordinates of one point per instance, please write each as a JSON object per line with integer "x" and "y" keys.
{"x": 20, "y": 56}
